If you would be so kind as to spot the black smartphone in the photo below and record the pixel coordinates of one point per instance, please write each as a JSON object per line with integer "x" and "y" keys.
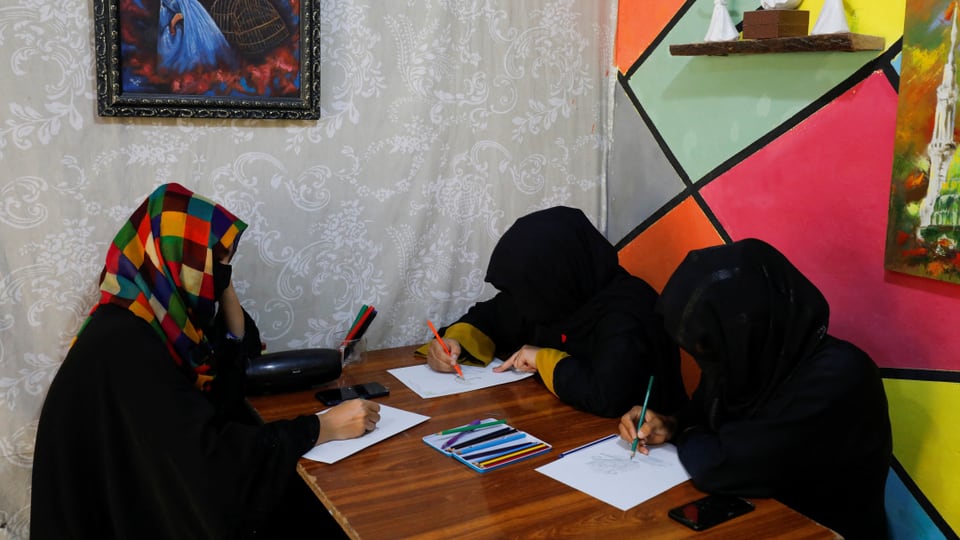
{"x": 334, "y": 396}
{"x": 371, "y": 390}
{"x": 711, "y": 510}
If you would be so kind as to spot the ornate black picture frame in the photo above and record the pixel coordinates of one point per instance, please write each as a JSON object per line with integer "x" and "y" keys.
{"x": 257, "y": 59}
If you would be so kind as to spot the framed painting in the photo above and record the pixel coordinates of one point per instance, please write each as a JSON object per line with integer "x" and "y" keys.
{"x": 208, "y": 58}
{"x": 923, "y": 225}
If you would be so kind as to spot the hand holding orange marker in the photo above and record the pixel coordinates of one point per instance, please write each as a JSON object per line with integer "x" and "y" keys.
{"x": 456, "y": 365}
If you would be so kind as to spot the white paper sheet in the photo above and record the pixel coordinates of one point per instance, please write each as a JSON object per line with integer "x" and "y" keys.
{"x": 428, "y": 383}
{"x": 606, "y": 472}
{"x": 392, "y": 421}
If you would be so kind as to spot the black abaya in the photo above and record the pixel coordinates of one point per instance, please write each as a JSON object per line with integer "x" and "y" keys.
{"x": 127, "y": 447}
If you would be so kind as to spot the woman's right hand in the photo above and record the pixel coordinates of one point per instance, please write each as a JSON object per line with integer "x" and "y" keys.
{"x": 439, "y": 360}
{"x": 348, "y": 420}
{"x": 656, "y": 429}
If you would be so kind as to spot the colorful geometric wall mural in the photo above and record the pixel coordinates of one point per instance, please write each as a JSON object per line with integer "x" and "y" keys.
{"x": 798, "y": 149}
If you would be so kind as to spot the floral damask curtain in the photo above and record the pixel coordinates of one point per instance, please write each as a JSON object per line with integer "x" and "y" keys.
{"x": 442, "y": 122}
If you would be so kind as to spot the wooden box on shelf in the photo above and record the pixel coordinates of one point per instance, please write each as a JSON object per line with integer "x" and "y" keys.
{"x": 775, "y": 23}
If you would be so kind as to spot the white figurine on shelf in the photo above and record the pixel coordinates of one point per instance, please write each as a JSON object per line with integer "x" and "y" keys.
{"x": 780, "y": 4}
{"x": 721, "y": 25}
{"x": 832, "y": 19}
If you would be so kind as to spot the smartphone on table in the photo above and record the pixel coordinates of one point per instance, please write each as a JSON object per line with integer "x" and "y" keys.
{"x": 334, "y": 396}
{"x": 710, "y": 510}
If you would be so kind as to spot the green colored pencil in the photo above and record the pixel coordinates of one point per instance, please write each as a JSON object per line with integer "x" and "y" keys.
{"x": 643, "y": 414}
{"x": 471, "y": 427}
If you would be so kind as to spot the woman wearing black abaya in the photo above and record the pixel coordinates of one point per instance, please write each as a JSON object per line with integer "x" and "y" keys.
{"x": 783, "y": 409}
{"x": 567, "y": 310}
{"x": 139, "y": 435}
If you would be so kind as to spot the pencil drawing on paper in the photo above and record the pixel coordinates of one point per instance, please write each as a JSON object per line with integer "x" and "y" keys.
{"x": 621, "y": 463}
{"x": 651, "y": 461}
{"x": 468, "y": 379}
{"x": 429, "y": 383}
{"x": 612, "y": 465}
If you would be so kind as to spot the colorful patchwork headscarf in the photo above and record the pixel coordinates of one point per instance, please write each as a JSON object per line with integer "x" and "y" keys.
{"x": 160, "y": 267}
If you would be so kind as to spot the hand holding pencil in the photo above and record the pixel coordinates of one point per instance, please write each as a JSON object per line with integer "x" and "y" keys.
{"x": 654, "y": 429}
{"x": 643, "y": 415}
{"x": 442, "y": 354}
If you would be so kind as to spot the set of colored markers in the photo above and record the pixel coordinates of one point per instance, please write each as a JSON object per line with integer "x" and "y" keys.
{"x": 484, "y": 445}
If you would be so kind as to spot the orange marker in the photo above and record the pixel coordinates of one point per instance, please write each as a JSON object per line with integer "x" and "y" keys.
{"x": 456, "y": 365}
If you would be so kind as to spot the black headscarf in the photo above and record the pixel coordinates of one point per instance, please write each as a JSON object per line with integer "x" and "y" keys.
{"x": 552, "y": 262}
{"x": 748, "y": 317}
{"x": 562, "y": 287}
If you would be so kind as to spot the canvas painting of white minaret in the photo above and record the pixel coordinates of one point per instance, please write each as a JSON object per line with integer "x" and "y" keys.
{"x": 923, "y": 226}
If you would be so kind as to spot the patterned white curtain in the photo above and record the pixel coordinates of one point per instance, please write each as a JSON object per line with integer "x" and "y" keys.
{"x": 442, "y": 122}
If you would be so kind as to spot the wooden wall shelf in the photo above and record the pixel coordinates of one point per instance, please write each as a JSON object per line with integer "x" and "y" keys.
{"x": 847, "y": 42}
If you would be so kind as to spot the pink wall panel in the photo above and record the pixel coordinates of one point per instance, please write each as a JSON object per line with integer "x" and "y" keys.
{"x": 820, "y": 194}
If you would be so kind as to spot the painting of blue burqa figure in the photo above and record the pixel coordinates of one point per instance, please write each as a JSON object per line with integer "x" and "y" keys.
{"x": 213, "y": 48}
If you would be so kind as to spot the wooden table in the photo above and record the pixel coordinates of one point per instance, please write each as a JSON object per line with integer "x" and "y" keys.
{"x": 402, "y": 489}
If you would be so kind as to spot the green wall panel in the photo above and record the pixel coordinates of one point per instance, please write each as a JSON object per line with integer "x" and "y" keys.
{"x": 709, "y": 108}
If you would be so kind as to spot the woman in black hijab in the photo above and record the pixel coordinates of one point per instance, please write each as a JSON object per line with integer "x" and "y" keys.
{"x": 567, "y": 310}
{"x": 783, "y": 409}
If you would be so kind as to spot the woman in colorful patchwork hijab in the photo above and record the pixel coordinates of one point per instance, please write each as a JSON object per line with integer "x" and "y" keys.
{"x": 783, "y": 409}
{"x": 568, "y": 311}
{"x": 140, "y": 435}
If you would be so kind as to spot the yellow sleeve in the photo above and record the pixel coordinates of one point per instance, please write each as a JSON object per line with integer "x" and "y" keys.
{"x": 547, "y": 360}
{"x": 475, "y": 347}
